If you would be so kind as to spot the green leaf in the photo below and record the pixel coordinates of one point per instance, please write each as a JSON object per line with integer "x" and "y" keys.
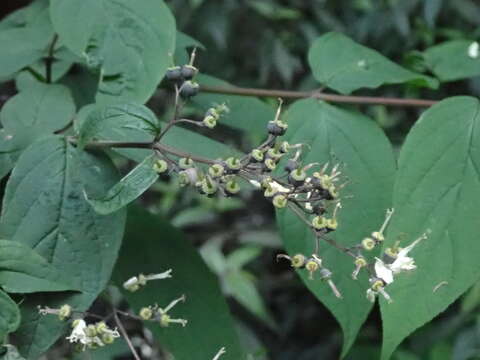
{"x": 241, "y": 285}
{"x": 210, "y": 325}
{"x": 454, "y": 60}
{"x": 134, "y": 184}
{"x": 338, "y": 136}
{"x": 9, "y": 315}
{"x": 23, "y": 270}
{"x": 131, "y": 43}
{"x": 437, "y": 189}
{"x": 22, "y": 46}
{"x": 345, "y": 66}
{"x": 116, "y": 118}
{"x": 44, "y": 208}
{"x": 246, "y": 113}
{"x": 36, "y": 112}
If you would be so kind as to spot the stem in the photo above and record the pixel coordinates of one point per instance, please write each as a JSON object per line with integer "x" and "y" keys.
{"x": 288, "y": 94}
{"x": 49, "y": 59}
{"x": 125, "y": 335}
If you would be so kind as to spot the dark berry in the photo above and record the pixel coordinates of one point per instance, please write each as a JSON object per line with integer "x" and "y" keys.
{"x": 189, "y": 89}
{"x": 188, "y": 72}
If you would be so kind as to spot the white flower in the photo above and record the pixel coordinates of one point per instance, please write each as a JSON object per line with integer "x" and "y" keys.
{"x": 78, "y": 333}
{"x": 473, "y": 50}
{"x": 276, "y": 187}
{"x": 401, "y": 263}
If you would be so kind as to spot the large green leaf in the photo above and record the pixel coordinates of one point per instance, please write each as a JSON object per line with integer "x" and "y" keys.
{"x": 454, "y": 60}
{"x": 114, "y": 119}
{"x": 134, "y": 184}
{"x": 437, "y": 189}
{"x": 24, "y": 45}
{"x": 246, "y": 113}
{"x": 44, "y": 208}
{"x": 23, "y": 270}
{"x": 38, "y": 111}
{"x": 9, "y": 315}
{"x": 345, "y": 66}
{"x": 335, "y": 135}
{"x": 130, "y": 42}
{"x": 151, "y": 246}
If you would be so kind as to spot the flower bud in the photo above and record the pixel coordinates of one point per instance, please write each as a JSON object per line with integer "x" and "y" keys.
{"x": 91, "y": 331}
{"x": 284, "y": 147}
{"x": 274, "y": 154}
{"x": 378, "y": 236}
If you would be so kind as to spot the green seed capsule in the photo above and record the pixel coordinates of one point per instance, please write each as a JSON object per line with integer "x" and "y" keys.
{"x": 160, "y": 166}
{"x": 216, "y": 170}
{"x": 209, "y": 121}
{"x": 257, "y": 155}
{"x": 232, "y": 187}
{"x": 279, "y": 201}
{"x": 319, "y": 223}
{"x": 185, "y": 163}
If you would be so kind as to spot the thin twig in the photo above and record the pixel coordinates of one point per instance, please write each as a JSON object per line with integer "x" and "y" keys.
{"x": 288, "y": 94}
{"x": 125, "y": 335}
{"x": 49, "y": 59}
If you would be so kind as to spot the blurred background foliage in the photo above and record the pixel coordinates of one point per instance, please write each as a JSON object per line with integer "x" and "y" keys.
{"x": 264, "y": 44}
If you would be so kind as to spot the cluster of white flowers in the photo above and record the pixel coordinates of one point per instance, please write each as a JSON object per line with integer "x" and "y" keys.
{"x": 396, "y": 261}
{"x": 93, "y": 335}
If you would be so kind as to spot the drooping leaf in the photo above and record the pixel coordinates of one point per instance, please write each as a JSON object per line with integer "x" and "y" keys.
{"x": 44, "y": 208}
{"x": 345, "y": 66}
{"x": 23, "y": 270}
{"x": 338, "y": 136}
{"x": 134, "y": 184}
{"x": 9, "y": 315}
{"x": 437, "y": 189}
{"x": 36, "y": 112}
{"x": 129, "y": 42}
{"x": 156, "y": 248}
{"x": 24, "y": 45}
{"x": 246, "y": 113}
{"x": 115, "y": 119}
{"x": 454, "y": 60}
